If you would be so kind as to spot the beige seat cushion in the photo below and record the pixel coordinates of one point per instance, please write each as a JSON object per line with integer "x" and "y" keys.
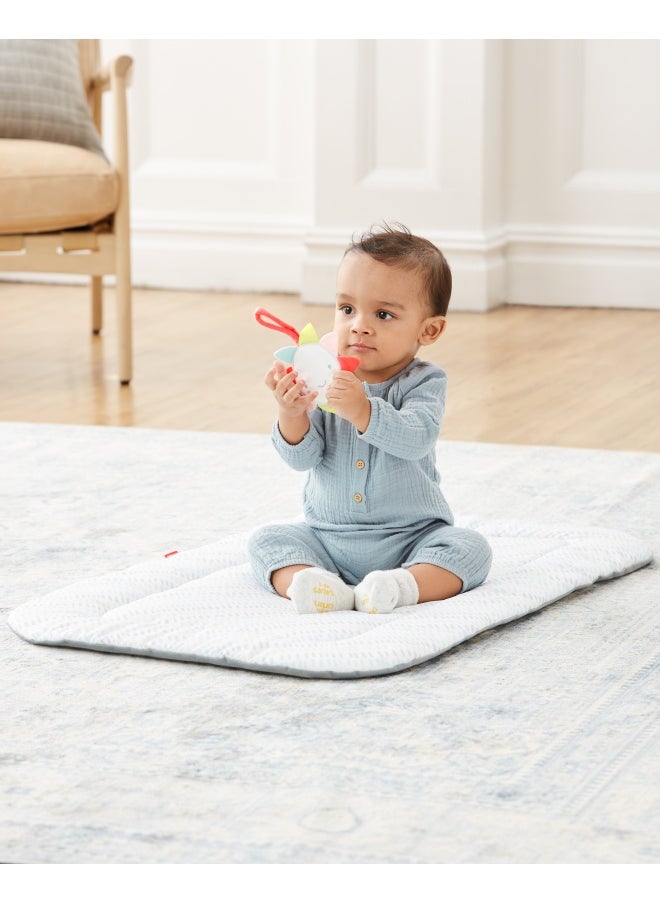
{"x": 45, "y": 187}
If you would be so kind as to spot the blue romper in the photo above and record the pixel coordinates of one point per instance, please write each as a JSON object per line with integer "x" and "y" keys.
{"x": 372, "y": 500}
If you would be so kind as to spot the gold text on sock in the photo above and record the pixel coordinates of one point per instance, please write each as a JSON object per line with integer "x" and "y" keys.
{"x": 322, "y": 606}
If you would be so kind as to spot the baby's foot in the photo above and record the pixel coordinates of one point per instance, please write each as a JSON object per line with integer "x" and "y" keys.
{"x": 317, "y": 590}
{"x": 382, "y": 591}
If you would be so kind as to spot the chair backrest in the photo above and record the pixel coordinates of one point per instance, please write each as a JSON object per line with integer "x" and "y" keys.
{"x": 89, "y": 57}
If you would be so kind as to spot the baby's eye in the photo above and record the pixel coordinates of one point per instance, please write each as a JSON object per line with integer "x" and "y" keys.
{"x": 384, "y": 315}
{"x": 346, "y": 309}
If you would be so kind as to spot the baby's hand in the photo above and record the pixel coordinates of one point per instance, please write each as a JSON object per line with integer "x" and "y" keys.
{"x": 275, "y": 373}
{"x": 289, "y": 390}
{"x": 347, "y": 396}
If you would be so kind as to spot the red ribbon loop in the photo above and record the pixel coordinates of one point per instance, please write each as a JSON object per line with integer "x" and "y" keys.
{"x": 271, "y": 322}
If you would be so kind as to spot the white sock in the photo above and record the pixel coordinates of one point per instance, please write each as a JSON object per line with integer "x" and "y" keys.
{"x": 382, "y": 591}
{"x": 318, "y": 590}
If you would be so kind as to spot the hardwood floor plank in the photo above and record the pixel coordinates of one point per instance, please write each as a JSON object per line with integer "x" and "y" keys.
{"x": 551, "y": 376}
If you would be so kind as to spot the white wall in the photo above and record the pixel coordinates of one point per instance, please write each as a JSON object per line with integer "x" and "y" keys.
{"x": 221, "y": 161}
{"x": 535, "y": 165}
{"x": 582, "y": 192}
{"x": 410, "y": 131}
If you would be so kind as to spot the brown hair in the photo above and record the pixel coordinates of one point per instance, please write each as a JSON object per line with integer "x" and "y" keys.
{"x": 396, "y": 246}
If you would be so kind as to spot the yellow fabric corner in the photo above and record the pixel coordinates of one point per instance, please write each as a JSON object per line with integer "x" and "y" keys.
{"x": 308, "y": 335}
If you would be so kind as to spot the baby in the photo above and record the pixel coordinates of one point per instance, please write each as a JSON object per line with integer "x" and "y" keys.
{"x": 378, "y": 532}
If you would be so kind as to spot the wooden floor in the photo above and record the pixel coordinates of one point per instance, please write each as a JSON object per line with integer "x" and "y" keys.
{"x": 547, "y": 376}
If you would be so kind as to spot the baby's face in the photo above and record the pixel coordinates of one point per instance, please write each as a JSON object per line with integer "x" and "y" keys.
{"x": 382, "y": 316}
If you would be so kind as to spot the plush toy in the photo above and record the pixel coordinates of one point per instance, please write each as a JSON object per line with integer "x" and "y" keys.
{"x": 314, "y": 359}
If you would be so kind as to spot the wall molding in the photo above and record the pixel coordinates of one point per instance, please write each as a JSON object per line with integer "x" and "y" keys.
{"x": 521, "y": 264}
{"x": 211, "y": 253}
{"x": 370, "y": 174}
{"x": 603, "y": 268}
{"x": 604, "y": 237}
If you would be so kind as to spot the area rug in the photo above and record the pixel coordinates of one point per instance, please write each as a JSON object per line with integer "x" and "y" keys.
{"x": 204, "y": 605}
{"x": 533, "y": 742}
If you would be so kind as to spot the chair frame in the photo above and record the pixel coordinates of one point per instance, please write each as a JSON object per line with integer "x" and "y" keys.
{"x": 90, "y": 251}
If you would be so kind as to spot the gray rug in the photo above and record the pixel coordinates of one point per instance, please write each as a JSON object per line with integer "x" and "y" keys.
{"x": 536, "y": 742}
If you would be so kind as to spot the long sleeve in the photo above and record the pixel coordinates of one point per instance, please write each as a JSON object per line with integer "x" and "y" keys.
{"x": 309, "y": 451}
{"x": 412, "y": 431}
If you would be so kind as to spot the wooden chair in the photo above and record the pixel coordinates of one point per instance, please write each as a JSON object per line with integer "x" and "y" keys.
{"x": 87, "y": 244}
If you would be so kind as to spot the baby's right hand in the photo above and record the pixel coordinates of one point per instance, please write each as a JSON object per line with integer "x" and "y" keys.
{"x": 274, "y": 375}
{"x": 289, "y": 391}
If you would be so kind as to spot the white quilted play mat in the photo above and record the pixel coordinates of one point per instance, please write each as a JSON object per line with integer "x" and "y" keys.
{"x": 203, "y": 605}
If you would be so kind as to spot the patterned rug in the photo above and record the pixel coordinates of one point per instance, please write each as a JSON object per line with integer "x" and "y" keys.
{"x": 536, "y": 742}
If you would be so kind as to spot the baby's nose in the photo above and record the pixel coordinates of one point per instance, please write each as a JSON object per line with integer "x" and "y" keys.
{"x": 360, "y": 325}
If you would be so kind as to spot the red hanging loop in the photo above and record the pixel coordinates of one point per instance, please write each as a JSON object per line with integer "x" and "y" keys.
{"x": 271, "y": 322}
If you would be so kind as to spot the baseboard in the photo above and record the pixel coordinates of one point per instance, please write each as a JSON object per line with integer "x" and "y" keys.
{"x": 583, "y": 268}
{"x": 518, "y": 265}
{"x": 292, "y": 257}
{"x": 217, "y": 255}
{"x": 523, "y": 265}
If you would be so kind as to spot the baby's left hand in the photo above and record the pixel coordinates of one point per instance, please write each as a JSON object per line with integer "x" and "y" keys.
{"x": 347, "y": 396}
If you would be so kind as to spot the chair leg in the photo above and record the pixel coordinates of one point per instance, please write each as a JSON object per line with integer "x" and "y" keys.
{"x": 124, "y": 325}
{"x": 123, "y": 228}
{"x": 123, "y": 291}
{"x": 97, "y": 304}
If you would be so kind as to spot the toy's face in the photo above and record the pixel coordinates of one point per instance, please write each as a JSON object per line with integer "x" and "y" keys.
{"x": 316, "y": 366}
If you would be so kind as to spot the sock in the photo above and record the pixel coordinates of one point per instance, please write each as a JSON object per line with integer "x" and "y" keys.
{"x": 382, "y": 591}
{"x": 318, "y": 590}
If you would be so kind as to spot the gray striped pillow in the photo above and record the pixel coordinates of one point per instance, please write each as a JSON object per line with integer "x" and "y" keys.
{"x": 42, "y": 96}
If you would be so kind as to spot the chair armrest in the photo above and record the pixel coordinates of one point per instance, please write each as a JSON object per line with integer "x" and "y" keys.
{"x": 115, "y": 77}
{"x": 121, "y": 68}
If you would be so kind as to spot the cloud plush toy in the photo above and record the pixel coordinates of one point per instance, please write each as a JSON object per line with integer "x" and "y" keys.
{"x": 314, "y": 359}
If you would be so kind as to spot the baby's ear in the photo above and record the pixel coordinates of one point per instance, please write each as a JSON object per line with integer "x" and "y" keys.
{"x": 432, "y": 330}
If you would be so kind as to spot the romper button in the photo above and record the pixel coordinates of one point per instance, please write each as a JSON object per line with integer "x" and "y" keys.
{"x": 358, "y": 497}
{"x": 359, "y": 464}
